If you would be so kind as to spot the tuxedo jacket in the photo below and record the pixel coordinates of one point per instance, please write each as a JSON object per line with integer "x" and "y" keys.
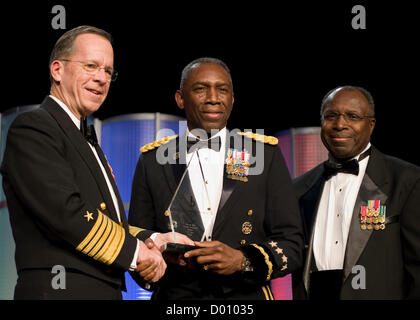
{"x": 390, "y": 257}
{"x": 61, "y": 211}
{"x": 259, "y": 217}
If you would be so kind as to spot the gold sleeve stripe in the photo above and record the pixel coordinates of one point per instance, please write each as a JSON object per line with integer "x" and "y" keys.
{"x": 267, "y": 260}
{"x": 107, "y": 250}
{"x": 265, "y": 293}
{"x": 91, "y": 233}
{"x": 100, "y": 243}
{"x": 116, "y": 246}
{"x": 269, "y": 292}
{"x": 104, "y": 241}
{"x": 134, "y": 231}
{"x": 112, "y": 245}
{"x": 97, "y": 239}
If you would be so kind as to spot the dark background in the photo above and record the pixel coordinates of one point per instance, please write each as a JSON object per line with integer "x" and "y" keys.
{"x": 283, "y": 57}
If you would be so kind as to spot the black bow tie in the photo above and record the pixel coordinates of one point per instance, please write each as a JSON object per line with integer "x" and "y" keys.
{"x": 195, "y": 144}
{"x": 332, "y": 166}
{"x": 88, "y": 132}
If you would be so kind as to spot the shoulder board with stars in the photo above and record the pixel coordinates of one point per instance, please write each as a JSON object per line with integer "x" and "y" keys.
{"x": 157, "y": 143}
{"x": 260, "y": 137}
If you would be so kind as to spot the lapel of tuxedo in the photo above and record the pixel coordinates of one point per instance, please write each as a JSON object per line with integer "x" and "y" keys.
{"x": 81, "y": 145}
{"x": 370, "y": 189}
{"x": 228, "y": 184}
{"x": 174, "y": 173}
{"x": 227, "y": 200}
{"x": 185, "y": 190}
{"x": 230, "y": 192}
{"x": 309, "y": 201}
{"x": 106, "y": 165}
{"x": 308, "y": 204}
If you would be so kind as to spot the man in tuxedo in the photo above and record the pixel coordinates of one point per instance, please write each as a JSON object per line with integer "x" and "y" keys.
{"x": 360, "y": 211}
{"x": 65, "y": 210}
{"x": 245, "y": 226}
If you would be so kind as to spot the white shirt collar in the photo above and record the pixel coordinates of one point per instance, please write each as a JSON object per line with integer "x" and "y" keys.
{"x": 67, "y": 110}
{"x": 367, "y": 147}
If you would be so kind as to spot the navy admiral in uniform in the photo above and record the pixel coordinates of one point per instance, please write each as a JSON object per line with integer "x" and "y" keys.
{"x": 360, "y": 211}
{"x": 65, "y": 209}
{"x": 246, "y": 227}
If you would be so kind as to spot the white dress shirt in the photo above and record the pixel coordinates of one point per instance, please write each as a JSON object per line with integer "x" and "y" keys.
{"x": 334, "y": 217}
{"x": 111, "y": 189}
{"x": 208, "y": 189}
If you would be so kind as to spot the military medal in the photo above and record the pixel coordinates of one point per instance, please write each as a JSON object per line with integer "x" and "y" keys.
{"x": 363, "y": 218}
{"x": 382, "y": 217}
{"x": 372, "y": 216}
{"x": 237, "y": 164}
{"x": 373, "y": 208}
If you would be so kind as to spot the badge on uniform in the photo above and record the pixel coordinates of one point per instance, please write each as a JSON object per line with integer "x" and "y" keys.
{"x": 373, "y": 216}
{"x": 246, "y": 227}
{"x": 237, "y": 164}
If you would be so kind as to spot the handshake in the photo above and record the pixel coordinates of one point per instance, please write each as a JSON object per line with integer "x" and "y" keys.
{"x": 150, "y": 264}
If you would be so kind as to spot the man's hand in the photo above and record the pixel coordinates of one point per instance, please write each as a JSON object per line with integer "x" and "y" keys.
{"x": 217, "y": 257}
{"x": 150, "y": 263}
{"x": 163, "y": 238}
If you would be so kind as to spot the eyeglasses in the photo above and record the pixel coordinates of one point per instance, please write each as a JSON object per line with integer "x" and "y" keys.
{"x": 349, "y": 117}
{"x": 93, "y": 68}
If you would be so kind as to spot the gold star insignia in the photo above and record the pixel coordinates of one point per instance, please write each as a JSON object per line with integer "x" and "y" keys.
{"x": 88, "y": 216}
{"x": 284, "y": 267}
{"x": 284, "y": 258}
{"x": 279, "y": 251}
{"x": 273, "y": 244}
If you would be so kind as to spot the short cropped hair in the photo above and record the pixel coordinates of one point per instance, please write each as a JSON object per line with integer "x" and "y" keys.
{"x": 195, "y": 63}
{"x": 64, "y": 45}
{"x": 363, "y": 91}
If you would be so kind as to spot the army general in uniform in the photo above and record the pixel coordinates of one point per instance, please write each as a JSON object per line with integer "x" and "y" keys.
{"x": 246, "y": 226}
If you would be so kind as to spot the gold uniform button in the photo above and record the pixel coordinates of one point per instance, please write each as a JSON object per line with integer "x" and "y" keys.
{"x": 103, "y": 206}
{"x": 250, "y": 212}
{"x": 242, "y": 242}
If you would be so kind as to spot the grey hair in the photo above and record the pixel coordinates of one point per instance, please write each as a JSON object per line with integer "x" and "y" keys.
{"x": 363, "y": 91}
{"x": 65, "y": 44}
{"x": 195, "y": 63}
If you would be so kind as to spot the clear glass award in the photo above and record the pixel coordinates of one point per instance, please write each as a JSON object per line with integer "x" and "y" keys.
{"x": 183, "y": 213}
